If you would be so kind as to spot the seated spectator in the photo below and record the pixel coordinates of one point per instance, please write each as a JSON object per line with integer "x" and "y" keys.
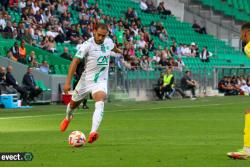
{"x": 13, "y": 4}
{"x": 168, "y": 81}
{"x": 173, "y": 49}
{"x": 141, "y": 43}
{"x": 204, "y": 55}
{"x": 143, "y": 6}
{"x": 194, "y": 50}
{"x": 73, "y": 35}
{"x": 13, "y": 52}
{"x": 164, "y": 62}
{"x": 181, "y": 64}
{"x": 130, "y": 15}
{"x": 8, "y": 30}
{"x": 31, "y": 58}
{"x": 162, "y": 10}
{"x": 161, "y": 32}
{"x": 145, "y": 64}
{"x": 4, "y": 88}
{"x": 30, "y": 84}
{"x": 187, "y": 83}
{"x": 152, "y": 28}
{"x": 225, "y": 86}
{"x": 51, "y": 45}
{"x": 66, "y": 54}
{"x": 11, "y": 81}
{"x": 198, "y": 28}
{"x": 22, "y": 52}
{"x": 185, "y": 50}
{"x": 44, "y": 67}
{"x": 151, "y": 7}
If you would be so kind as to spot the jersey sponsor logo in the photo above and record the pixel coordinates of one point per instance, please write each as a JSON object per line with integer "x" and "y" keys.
{"x": 103, "y": 60}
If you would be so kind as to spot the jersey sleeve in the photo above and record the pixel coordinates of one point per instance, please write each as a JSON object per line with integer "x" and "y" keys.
{"x": 111, "y": 44}
{"x": 247, "y": 49}
{"x": 83, "y": 50}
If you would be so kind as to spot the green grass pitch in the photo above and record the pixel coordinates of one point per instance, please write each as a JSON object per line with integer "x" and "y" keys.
{"x": 177, "y": 133}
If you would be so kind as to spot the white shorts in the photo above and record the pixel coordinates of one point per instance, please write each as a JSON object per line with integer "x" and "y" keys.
{"x": 83, "y": 88}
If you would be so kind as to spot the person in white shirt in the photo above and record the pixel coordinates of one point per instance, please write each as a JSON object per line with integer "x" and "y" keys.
{"x": 96, "y": 51}
{"x": 143, "y": 6}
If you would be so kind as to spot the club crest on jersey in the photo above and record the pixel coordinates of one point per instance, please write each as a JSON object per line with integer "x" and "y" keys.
{"x": 103, "y": 60}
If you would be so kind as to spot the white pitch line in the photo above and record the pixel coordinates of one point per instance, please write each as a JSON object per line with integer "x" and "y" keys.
{"x": 133, "y": 109}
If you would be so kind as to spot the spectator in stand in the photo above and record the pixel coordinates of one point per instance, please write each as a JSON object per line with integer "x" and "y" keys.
{"x": 151, "y": 6}
{"x": 161, "y": 32}
{"x": 143, "y": 6}
{"x": 187, "y": 83}
{"x": 225, "y": 86}
{"x": 73, "y": 35}
{"x": 44, "y": 67}
{"x": 119, "y": 33}
{"x": 181, "y": 64}
{"x": 22, "y": 52}
{"x": 13, "y": 4}
{"x": 173, "y": 49}
{"x": 11, "y": 81}
{"x": 162, "y": 10}
{"x": 13, "y": 52}
{"x": 145, "y": 64}
{"x": 141, "y": 43}
{"x": 204, "y": 55}
{"x": 185, "y": 50}
{"x": 130, "y": 15}
{"x": 152, "y": 28}
{"x": 30, "y": 85}
{"x": 166, "y": 53}
{"x": 194, "y": 50}
{"x": 198, "y": 28}
{"x": 8, "y": 30}
{"x": 31, "y": 58}
{"x": 51, "y": 45}
{"x": 66, "y": 54}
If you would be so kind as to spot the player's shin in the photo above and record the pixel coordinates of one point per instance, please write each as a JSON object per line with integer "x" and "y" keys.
{"x": 247, "y": 132}
{"x": 97, "y": 116}
{"x": 69, "y": 112}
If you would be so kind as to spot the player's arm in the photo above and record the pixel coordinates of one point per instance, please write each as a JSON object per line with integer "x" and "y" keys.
{"x": 72, "y": 69}
{"x": 81, "y": 53}
{"x": 117, "y": 50}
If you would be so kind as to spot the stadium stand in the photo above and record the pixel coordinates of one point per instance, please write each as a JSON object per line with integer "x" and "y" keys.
{"x": 239, "y": 9}
{"x": 179, "y": 32}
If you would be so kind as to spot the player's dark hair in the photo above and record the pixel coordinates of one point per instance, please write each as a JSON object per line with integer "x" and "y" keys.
{"x": 101, "y": 26}
{"x": 246, "y": 26}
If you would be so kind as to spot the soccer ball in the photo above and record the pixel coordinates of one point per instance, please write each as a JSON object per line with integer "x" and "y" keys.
{"x": 77, "y": 139}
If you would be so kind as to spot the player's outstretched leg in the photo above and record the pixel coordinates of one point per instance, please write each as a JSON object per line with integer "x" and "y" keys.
{"x": 97, "y": 116}
{"x": 245, "y": 152}
{"x": 69, "y": 115}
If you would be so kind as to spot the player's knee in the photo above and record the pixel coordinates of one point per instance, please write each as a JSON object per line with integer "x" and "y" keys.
{"x": 248, "y": 111}
{"x": 73, "y": 104}
{"x": 99, "y": 96}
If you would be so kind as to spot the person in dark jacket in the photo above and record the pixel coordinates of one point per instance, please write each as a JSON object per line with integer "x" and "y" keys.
{"x": 79, "y": 70}
{"x": 11, "y": 81}
{"x": 30, "y": 84}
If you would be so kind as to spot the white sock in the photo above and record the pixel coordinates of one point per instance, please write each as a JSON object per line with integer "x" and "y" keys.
{"x": 247, "y": 149}
{"x": 97, "y": 116}
{"x": 69, "y": 112}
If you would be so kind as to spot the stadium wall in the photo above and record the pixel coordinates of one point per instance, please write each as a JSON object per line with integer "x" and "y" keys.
{"x": 50, "y": 81}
